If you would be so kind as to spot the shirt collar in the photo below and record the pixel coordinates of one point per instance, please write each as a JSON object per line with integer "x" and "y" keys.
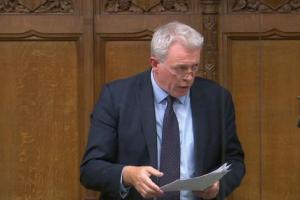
{"x": 160, "y": 95}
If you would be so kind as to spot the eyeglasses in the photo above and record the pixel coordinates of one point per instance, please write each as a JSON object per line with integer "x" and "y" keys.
{"x": 183, "y": 70}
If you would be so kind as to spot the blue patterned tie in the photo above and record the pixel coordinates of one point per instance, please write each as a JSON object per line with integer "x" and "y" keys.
{"x": 170, "y": 150}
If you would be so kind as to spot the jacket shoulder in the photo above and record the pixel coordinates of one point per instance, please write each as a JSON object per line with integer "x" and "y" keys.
{"x": 207, "y": 85}
{"x": 129, "y": 82}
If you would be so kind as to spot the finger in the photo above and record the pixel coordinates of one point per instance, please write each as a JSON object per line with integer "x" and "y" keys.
{"x": 145, "y": 185}
{"x": 147, "y": 191}
{"x": 154, "y": 172}
{"x": 216, "y": 184}
{"x": 204, "y": 195}
{"x": 209, "y": 193}
{"x": 142, "y": 192}
{"x": 142, "y": 188}
{"x": 153, "y": 187}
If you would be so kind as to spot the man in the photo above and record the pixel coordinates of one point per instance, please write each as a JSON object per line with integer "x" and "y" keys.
{"x": 126, "y": 151}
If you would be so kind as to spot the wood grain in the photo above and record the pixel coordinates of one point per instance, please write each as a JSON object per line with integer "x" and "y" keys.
{"x": 39, "y": 132}
{"x": 265, "y": 84}
{"x": 53, "y": 65}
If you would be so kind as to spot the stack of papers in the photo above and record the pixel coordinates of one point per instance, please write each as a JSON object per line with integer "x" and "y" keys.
{"x": 199, "y": 183}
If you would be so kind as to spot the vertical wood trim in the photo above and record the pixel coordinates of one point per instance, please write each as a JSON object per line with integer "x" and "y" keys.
{"x": 210, "y": 13}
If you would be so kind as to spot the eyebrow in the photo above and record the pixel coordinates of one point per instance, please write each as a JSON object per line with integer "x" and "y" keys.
{"x": 185, "y": 65}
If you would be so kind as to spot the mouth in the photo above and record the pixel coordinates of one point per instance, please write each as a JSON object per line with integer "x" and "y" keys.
{"x": 184, "y": 88}
{"x": 181, "y": 91}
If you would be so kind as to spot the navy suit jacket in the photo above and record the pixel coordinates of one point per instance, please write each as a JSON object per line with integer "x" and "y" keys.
{"x": 123, "y": 132}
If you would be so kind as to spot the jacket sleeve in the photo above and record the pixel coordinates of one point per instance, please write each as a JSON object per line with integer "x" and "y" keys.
{"x": 231, "y": 149}
{"x": 99, "y": 170}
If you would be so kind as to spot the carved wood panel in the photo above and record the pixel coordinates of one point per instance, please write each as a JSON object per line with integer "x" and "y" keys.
{"x": 265, "y": 6}
{"x": 146, "y": 7}
{"x": 36, "y": 6}
{"x": 210, "y": 33}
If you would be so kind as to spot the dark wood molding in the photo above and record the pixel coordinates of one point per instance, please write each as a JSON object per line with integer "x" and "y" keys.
{"x": 137, "y": 36}
{"x": 47, "y": 6}
{"x": 299, "y": 113}
{"x": 210, "y": 10}
{"x": 130, "y": 7}
{"x": 272, "y": 34}
{"x": 33, "y": 35}
{"x": 265, "y": 6}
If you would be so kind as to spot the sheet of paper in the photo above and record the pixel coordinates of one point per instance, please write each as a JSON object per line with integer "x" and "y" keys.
{"x": 198, "y": 183}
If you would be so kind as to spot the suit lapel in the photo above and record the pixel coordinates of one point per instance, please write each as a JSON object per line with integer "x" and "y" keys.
{"x": 146, "y": 99}
{"x": 199, "y": 127}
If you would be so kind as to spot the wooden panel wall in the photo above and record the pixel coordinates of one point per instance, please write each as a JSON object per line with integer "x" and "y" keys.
{"x": 39, "y": 116}
{"x": 259, "y": 51}
{"x": 56, "y": 55}
{"x": 265, "y": 90}
{"x": 46, "y": 93}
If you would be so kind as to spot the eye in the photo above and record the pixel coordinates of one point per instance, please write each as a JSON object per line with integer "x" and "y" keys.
{"x": 195, "y": 68}
{"x": 183, "y": 68}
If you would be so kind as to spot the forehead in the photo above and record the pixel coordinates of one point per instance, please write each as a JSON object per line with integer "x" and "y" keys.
{"x": 178, "y": 51}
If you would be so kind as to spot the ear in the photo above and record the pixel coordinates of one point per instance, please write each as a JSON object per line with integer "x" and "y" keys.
{"x": 154, "y": 63}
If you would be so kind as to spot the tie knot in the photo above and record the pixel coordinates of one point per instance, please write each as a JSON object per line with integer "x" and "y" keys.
{"x": 170, "y": 100}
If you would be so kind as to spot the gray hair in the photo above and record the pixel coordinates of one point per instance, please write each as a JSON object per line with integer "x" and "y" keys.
{"x": 172, "y": 32}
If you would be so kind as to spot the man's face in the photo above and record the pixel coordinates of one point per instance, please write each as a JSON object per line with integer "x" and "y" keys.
{"x": 177, "y": 73}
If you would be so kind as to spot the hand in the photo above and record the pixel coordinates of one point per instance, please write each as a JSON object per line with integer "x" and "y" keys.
{"x": 139, "y": 177}
{"x": 210, "y": 192}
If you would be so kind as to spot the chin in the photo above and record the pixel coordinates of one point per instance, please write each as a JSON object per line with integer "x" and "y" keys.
{"x": 181, "y": 93}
